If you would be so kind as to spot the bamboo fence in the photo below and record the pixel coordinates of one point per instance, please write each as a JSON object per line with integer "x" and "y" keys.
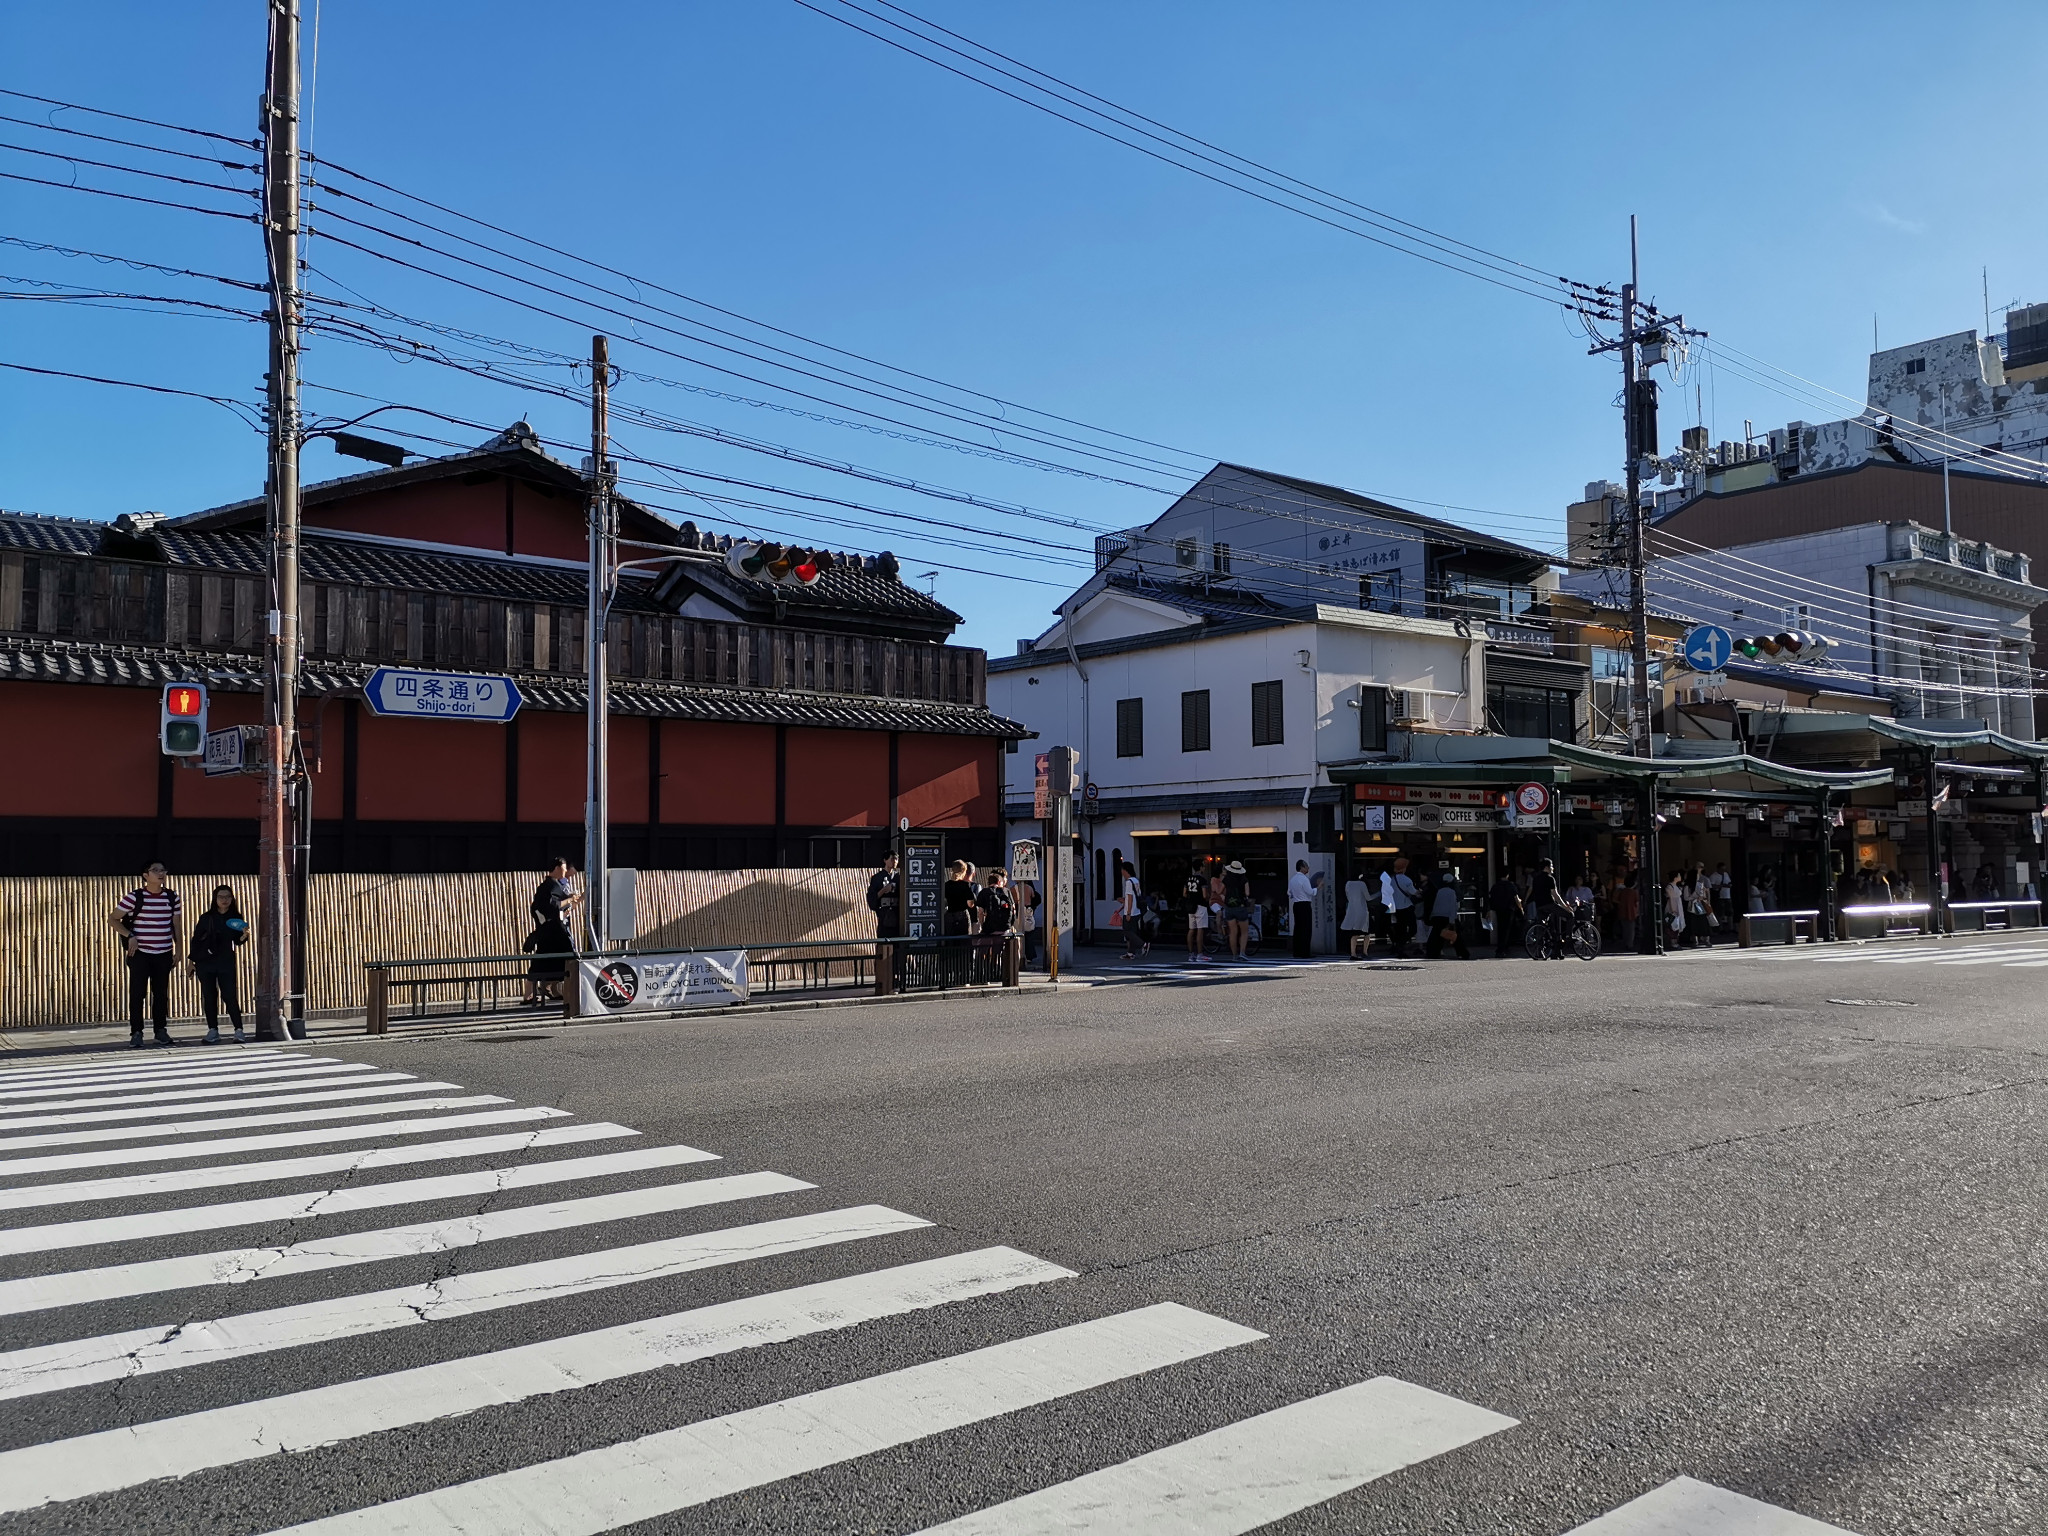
{"x": 61, "y": 963}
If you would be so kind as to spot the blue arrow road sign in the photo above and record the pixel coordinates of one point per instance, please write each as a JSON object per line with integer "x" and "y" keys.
{"x": 1708, "y": 647}
{"x": 442, "y": 695}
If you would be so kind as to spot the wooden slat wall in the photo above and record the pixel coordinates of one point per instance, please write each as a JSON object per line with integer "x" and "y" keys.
{"x": 60, "y": 963}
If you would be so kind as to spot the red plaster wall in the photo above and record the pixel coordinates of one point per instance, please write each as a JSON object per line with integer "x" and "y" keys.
{"x": 80, "y": 750}
{"x": 629, "y": 768}
{"x": 837, "y": 778}
{"x": 717, "y": 774}
{"x": 229, "y": 794}
{"x": 449, "y": 512}
{"x": 551, "y": 767}
{"x": 947, "y": 781}
{"x": 429, "y": 770}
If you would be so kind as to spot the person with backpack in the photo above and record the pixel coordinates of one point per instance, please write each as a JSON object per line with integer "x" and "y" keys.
{"x": 1128, "y": 901}
{"x": 150, "y": 920}
{"x": 883, "y": 900}
{"x": 549, "y": 943}
{"x": 221, "y": 929}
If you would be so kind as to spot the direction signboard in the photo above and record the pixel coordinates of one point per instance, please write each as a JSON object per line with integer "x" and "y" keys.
{"x": 233, "y": 749}
{"x": 1708, "y": 647}
{"x": 442, "y": 695}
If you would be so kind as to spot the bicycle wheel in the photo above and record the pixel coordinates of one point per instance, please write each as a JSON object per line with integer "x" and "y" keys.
{"x": 1537, "y": 940}
{"x": 1586, "y": 940}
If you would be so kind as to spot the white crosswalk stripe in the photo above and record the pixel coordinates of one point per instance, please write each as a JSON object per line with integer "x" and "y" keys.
{"x": 1250, "y": 1473}
{"x": 175, "y": 1345}
{"x": 317, "y": 1068}
{"x": 104, "y": 1066}
{"x": 2019, "y": 956}
{"x": 221, "y": 1215}
{"x": 303, "y": 1421}
{"x": 1684, "y": 1507}
{"x": 232, "y": 1146}
{"x": 682, "y": 1468}
{"x": 1229, "y": 1480}
{"x": 87, "y": 1136}
{"x": 362, "y": 1160}
{"x": 240, "y": 1266}
{"x": 204, "y": 1101}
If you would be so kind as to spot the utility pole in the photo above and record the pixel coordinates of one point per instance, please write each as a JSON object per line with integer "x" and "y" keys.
{"x": 603, "y": 535}
{"x": 275, "y": 829}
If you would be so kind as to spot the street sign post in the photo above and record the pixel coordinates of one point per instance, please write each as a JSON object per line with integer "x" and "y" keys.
{"x": 442, "y": 695}
{"x": 235, "y": 749}
{"x": 1708, "y": 647}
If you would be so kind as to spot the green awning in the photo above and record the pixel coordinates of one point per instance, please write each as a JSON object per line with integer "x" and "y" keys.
{"x": 2038, "y": 750}
{"x": 1681, "y": 768}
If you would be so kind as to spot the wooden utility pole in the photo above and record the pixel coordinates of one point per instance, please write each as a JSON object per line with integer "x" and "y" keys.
{"x": 603, "y": 534}
{"x": 275, "y": 840}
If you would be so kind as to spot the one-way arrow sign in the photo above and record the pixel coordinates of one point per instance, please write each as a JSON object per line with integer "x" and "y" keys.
{"x": 442, "y": 695}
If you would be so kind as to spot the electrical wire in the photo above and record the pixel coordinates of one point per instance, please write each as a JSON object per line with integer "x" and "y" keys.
{"x": 235, "y": 406}
{"x": 126, "y": 197}
{"x": 132, "y": 170}
{"x": 130, "y": 261}
{"x": 101, "y": 138}
{"x": 145, "y": 122}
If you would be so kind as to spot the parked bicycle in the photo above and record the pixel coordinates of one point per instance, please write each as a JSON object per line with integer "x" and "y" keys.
{"x": 1568, "y": 927}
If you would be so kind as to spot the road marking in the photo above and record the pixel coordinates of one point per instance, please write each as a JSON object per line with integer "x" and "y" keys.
{"x": 107, "y": 1066}
{"x": 1684, "y": 1507}
{"x": 680, "y": 1469}
{"x": 233, "y": 1145}
{"x": 196, "y": 1098}
{"x": 2028, "y": 965}
{"x": 93, "y": 1231}
{"x": 321, "y": 1416}
{"x": 78, "y": 1137}
{"x": 173, "y": 1346}
{"x": 2009, "y": 957}
{"x": 130, "y": 1186}
{"x": 238, "y": 1266}
{"x": 195, "y": 1079}
{"x": 163, "y": 1067}
{"x": 1248, "y": 1474}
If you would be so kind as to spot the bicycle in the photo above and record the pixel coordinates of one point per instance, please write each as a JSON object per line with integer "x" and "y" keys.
{"x": 1562, "y": 927}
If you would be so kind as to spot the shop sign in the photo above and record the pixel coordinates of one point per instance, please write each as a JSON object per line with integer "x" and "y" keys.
{"x": 1427, "y": 818}
{"x": 1395, "y": 792}
{"x": 1041, "y": 787}
{"x": 1866, "y": 829}
{"x": 1995, "y": 818}
{"x": 1912, "y": 807}
{"x": 1369, "y": 818}
{"x": 1518, "y": 634}
{"x": 1195, "y": 821}
{"x": 1780, "y": 828}
{"x": 1695, "y": 808}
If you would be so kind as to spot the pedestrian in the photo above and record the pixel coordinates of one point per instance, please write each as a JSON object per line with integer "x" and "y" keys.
{"x": 1024, "y": 897}
{"x": 550, "y": 943}
{"x": 221, "y": 929}
{"x": 958, "y": 902}
{"x": 1674, "y": 909}
{"x": 1357, "y": 919}
{"x": 1401, "y": 897}
{"x": 1237, "y": 907}
{"x": 1128, "y": 900}
{"x": 1301, "y": 896}
{"x": 884, "y": 899}
{"x": 1195, "y": 899}
{"x": 997, "y": 911}
{"x": 1505, "y": 900}
{"x": 150, "y": 920}
{"x": 1628, "y": 911}
{"x": 1580, "y": 893}
{"x": 1444, "y": 927}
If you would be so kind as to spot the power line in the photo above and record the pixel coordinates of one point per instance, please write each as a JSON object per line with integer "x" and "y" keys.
{"x": 132, "y": 170}
{"x": 236, "y": 406}
{"x": 130, "y": 261}
{"x": 155, "y": 149}
{"x": 127, "y": 197}
{"x": 145, "y": 122}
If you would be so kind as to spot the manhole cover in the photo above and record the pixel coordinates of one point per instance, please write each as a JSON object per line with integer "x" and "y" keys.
{"x": 1871, "y": 1002}
{"x": 1385, "y": 967}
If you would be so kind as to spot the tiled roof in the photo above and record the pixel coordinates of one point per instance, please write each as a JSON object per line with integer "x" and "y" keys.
{"x": 58, "y": 535}
{"x": 1441, "y": 530}
{"x": 845, "y": 586}
{"x": 59, "y": 661}
{"x": 1213, "y": 602}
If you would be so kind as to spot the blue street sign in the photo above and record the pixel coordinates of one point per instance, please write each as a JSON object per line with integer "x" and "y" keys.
{"x": 1708, "y": 647}
{"x": 442, "y": 695}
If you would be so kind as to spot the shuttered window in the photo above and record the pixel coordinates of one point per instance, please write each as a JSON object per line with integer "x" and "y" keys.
{"x": 1194, "y": 721}
{"x": 1372, "y": 719}
{"x": 1267, "y": 727}
{"x": 1130, "y": 727}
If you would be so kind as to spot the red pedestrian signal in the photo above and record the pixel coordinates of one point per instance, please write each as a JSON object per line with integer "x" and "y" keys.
{"x": 182, "y": 722}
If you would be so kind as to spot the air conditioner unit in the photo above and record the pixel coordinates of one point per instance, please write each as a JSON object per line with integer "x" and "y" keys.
{"x": 1187, "y": 552}
{"x": 1406, "y": 708}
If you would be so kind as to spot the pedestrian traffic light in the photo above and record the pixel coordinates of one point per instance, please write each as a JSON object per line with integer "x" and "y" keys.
{"x": 182, "y": 724}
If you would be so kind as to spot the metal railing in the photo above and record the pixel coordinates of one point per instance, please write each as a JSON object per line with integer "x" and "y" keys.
{"x": 1993, "y": 916}
{"x": 481, "y": 986}
{"x": 1788, "y": 927}
{"x": 1885, "y": 920}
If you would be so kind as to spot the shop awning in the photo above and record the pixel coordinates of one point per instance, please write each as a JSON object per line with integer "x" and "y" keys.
{"x": 1920, "y": 737}
{"x": 1448, "y": 773}
{"x": 1678, "y": 769}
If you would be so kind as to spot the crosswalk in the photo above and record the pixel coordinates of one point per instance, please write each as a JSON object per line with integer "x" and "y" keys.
{"x": 2013, "y": 955}
{"x": 253, "y": 1254}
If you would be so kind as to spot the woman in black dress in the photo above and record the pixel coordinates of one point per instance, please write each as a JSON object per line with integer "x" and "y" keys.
{"x": 549, "y": 943}
{"x": 959, "y": 900}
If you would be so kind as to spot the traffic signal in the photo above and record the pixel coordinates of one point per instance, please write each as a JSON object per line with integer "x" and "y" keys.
{"x": 1785, "y": 645}
{"x": 781, "y": 563}
{"x": 182, "y": 724}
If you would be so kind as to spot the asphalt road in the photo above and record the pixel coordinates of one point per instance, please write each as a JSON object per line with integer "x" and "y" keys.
{"x": 1772, "y": 1223}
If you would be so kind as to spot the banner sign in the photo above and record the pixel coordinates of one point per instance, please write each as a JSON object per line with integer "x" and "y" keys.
{"x": 1425, "y": 794}
{"x": 661, "y": 982}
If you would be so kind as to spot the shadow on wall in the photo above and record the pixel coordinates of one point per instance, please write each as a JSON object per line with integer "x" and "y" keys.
{"x": 702, "y": 910}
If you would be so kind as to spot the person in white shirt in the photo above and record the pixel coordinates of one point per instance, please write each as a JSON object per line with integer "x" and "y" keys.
{"x": 1400, "y": 894}
{"x": 1301, "y": 895}
{"x": 1357, "y": 917}
{"x": 1135, "y": 943}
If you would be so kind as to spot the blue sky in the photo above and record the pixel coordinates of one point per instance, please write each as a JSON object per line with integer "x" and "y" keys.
{"x": 1796, "y": 169}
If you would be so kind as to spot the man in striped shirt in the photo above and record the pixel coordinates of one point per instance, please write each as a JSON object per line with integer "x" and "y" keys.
{"x": 151, "y": 923}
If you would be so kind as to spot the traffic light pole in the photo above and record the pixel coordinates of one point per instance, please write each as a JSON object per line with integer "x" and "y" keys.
{"x": 602, "y": 538}
{"x": 275, "y": 831}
